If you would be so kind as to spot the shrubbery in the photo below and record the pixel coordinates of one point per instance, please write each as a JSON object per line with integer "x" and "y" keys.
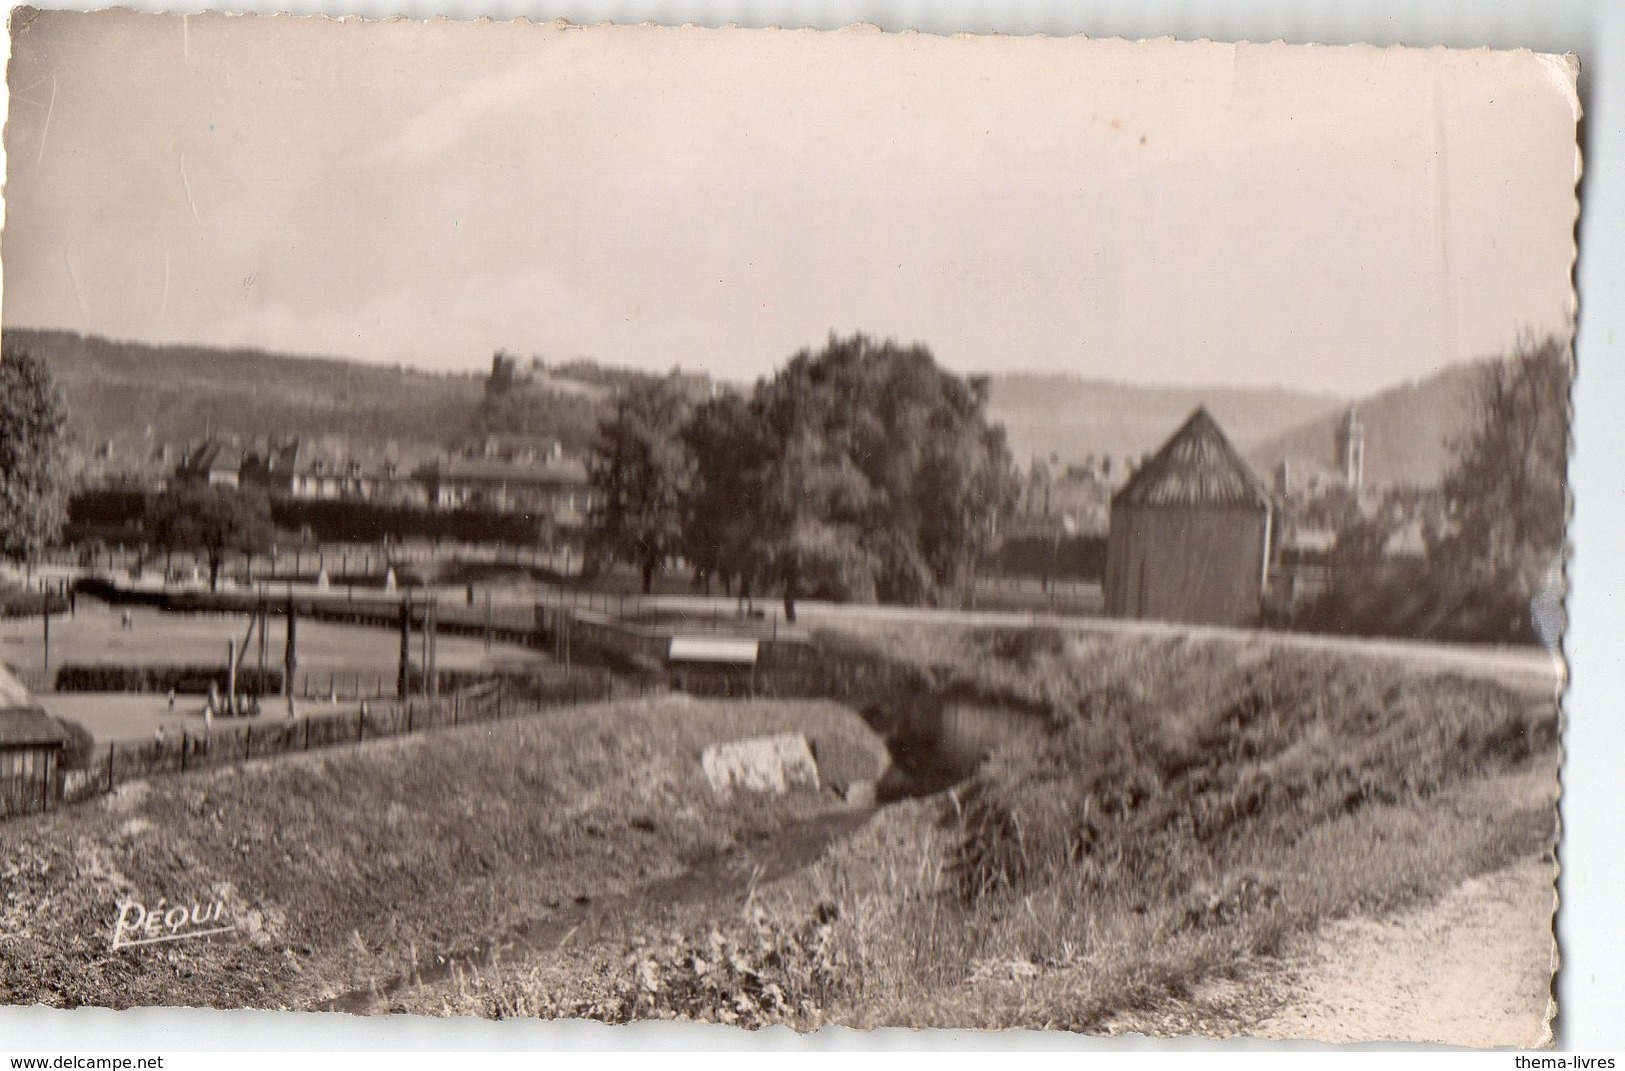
{"x": 81, "y": 746}
{"x": 186, "y": 680}
{"x": 1421, "y": 601}
{"x": 16, "y": 602}
{"x": 1152, "y": 783}
{"x": 755, "y": 971}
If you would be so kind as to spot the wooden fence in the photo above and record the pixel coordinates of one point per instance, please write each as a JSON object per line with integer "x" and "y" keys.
{"x": 268, "y": 737}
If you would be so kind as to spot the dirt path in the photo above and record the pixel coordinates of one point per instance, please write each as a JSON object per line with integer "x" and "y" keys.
{"x": 722, "y": 880}
{"x": 1473, "y": 968}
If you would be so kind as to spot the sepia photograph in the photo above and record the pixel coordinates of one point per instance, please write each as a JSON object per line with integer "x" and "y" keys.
{"x": 784, "y": 528}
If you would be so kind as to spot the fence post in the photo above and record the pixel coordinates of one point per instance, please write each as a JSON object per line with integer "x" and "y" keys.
{"x": 409, "y": 716}
{"x": 248, "y": 742}
{"x": 403, "y": 678}
{"x": 307, "y": 734}
{"x": 360, "y": 725}
{"x": 183, "y": 750}
{"x": 109, "y": 767}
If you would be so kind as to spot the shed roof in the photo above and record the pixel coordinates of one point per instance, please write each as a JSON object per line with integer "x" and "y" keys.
{"x": 22, "y": 722}
{"x": 1197, "y": 466}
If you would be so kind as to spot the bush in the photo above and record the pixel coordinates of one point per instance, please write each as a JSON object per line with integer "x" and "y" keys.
{"x": 17, "y": 602}
{"x": 81, "y": 746}
{"x": 186, "y": 680}
{"x": 1153, "y": 786}
{"x": 1418, "y": 601}
{"x": 751, "y": 972}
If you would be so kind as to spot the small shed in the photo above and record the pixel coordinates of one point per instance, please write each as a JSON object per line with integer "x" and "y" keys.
{"x": 31, "y": 746}
{"x": 1190, "y": 533}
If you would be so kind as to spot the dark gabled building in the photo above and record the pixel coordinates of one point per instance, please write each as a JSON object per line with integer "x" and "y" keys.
{"x": 1190, "y": 533}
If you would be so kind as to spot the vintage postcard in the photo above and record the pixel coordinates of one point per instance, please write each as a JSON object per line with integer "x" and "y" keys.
{"x": 783, "y": 527}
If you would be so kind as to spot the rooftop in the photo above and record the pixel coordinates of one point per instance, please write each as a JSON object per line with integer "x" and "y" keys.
{"x": 1197, "y": 466}
{"x": 22, "y": 722}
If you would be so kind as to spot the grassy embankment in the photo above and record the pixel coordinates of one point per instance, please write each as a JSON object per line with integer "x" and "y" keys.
{"x": 1182, "y": 809}
{"x": 1186, "y": 808}
{"x": 346, "y": 868}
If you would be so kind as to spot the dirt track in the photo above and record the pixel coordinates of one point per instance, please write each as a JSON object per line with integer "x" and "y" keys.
{"x": 1473, "y": 968}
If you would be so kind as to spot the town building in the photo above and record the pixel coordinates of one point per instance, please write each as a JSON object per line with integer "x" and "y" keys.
{"x": 215, "y": 462}
{"x": 1189, "y": 536}
{"x": 510, "y": 475}
{"x": 1075, "y": 499}
{"x": 298, "y": 470}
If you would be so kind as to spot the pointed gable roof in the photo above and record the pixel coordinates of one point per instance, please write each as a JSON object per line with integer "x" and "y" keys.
{"x": 1197, "y": 466}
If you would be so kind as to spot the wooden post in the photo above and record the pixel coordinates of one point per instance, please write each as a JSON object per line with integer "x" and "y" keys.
{"x": 109, "y": 767}
{"x": 487, "y": 620}
{"x": 402, "y": 679}
{"x": 423, "y": 647}
{"x": 45, "y": 668}
{"x": 290, "y": 655}
{"x": 248, "y": 742}
{"x": 432, "y": 626}
{"x": 231, "y": 677}
{"x": 360, "y": 724}
{"x": 265, "y": 642}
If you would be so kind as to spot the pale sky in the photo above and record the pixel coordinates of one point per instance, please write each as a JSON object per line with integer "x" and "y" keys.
{"x": 1326, "y": 218}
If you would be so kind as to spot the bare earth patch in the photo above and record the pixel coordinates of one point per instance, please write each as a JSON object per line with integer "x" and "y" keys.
{"x": 1472, "y": 968}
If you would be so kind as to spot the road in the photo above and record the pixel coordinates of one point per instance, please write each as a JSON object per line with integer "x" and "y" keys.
{"x": 1524, "y": 666}
{"x": 1472, "y": 968}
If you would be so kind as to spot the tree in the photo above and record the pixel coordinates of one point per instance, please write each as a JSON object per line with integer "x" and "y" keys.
{"x": 214, "y": 520}
{"x": 722, "y": 529}
{"x": 1506, "y": 498}
{"x": 640, "y": 477}
{"x": 33, "y": 462}
{"x": 880, "y": 475}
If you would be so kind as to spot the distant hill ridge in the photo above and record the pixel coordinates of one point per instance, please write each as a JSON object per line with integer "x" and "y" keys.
{"x": 138, "y": 396}
{"x": 1073, "y": 417}
{"x": 1410, "y": 431}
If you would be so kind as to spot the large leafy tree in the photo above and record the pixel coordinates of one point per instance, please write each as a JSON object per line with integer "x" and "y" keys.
{"x": 722, "y": 529}
{"x": 875, "y": 474}
{"x": 1506, "y": 496}
{"x": 215, "y": 521}
{"x": 640, "y": 478}
{"x": 33, "y": 462}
